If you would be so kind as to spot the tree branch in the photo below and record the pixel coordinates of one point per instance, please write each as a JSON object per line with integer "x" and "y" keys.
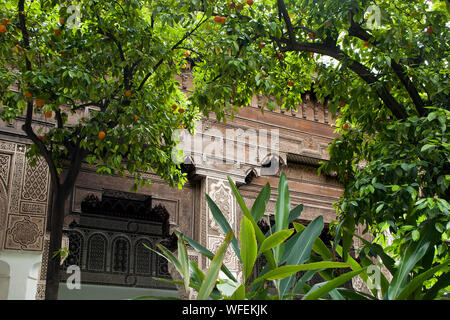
{"x": 287, "y": 20}
{"x": 27, "y": 128}
{"x": 357, "y": 31}
{"x": 175, "y": 46}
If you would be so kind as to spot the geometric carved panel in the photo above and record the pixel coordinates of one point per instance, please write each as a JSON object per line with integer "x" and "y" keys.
{"x": 35, "y": 181}
{"x": 25, "y": 233}
{"x": 23, "y": 198}
{"x": 222, "y": 195}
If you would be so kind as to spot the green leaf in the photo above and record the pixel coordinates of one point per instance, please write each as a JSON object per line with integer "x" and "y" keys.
{"x": 418, "y": 280}
{"x": 295, "y": 213}
{"x": 300, "y": 251}
{"x": 355, "y": 295}
{"x": 275, "y": 239}
{"x": 248, "y": 247}
{"x": 415, "y": 235}
{"x": 202, "y": 250}
{"x": 387, "y": 260}
{"x": 427, "y": 147}
{"x": 223, "y": 224}
{"x": 442, "y": 282}
{"x": 282, "y": 210}
{"x": 319, "y": 246}
{"x": 184, "y": 262}
{"x": 288, "y": 270}
{"x": 259, "y": 206}
{"x": 414, "y": 252}
{"x": 330, "y": 285}
{"x": 347, "y": 238}
{"x": 213, "y": 272}
{"x": 239, "y": 294}
{"x": 259, "y": 235}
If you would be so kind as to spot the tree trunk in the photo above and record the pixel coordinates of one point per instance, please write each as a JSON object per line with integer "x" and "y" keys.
{"x": 56, "y": 231}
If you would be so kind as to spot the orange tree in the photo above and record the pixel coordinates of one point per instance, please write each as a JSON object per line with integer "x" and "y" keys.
{"x": 383, "y": 66}
{"x": 118, "y": 57}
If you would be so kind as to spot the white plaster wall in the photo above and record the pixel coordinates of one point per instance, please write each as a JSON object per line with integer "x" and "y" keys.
{"x": 4, "y": 280}
{"x": 23, "y": 270}
{"x": 99, "y": 292}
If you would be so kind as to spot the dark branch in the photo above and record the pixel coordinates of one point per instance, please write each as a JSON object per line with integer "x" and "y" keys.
{"x": 357, "y": 31}
{"x": 27, "y": 128}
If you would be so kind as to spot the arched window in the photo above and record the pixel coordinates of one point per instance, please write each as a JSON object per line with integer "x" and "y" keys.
{"x": 121, "y": 253}
{"x": 97, "y": 253}
{"x": 143, "y": 257}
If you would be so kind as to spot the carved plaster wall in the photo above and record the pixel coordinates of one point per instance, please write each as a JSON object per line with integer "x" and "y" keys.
{"x": 24, "y": 191}
{"x": 221, "y": 193}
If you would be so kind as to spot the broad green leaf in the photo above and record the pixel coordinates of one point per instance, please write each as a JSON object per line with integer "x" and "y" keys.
{"x": 414, "y": 252}
{"x": 387, "y": 260}
{"x": 355, "y": 295}
{"x": 282, "y": 210}
{"x": 418, "y": 280}
{"x": 331, "y": 284}
{"x": 299, "y": 286}
{"x": 259, "y": 235}
{"x": 300, "y": 251}
{"x": 259, "y": 206}
{"x": 288, "y": 270}
{"x": 274, "y": 240}
{"x": 319, "y": 246}
{"x": 213, "y": 271}
{"x": 295, "y": 213}
{"x": 202, "y": 250}
{"x": 184, "y": 262}
{"x": 223, "y": 224}
{"x": 347, "y": 238}
{"x": 442, "y": 282}
{"x": 239, "y": 294}
{"x": 248, "y": 246}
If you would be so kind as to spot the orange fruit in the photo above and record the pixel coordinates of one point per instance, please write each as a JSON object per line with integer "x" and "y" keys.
{"x": 280, "y": 56}
{"x": 174, "y": 107}
{"x": 136, "y": 118}
{"x": 128, "y": 93}
{"x": 187, "y": 53}
{"x": 217, "y": 19}
{"x": 43, "y": 138}
{"x": 48, "y": 114}
{"x": 250, "y": 2}
{"x": 61, "y": 20}
{"x": 290, "y": 83}
{"x": 57, "y": 32}
{"x": 311, "y": 35}
{"x": 28, "y": 94}
{"x": 345, "y": 126}
{"x": 39, "y": 102}
{"x": 181, "y": 110}
{"x": 430, "y": 30}
{"x": 101, "y": 135}
{"x": 2, "y": 28}
{"x": 366, "y": 44}
{"x": 223, "y": 19}
{"x": 5, "y": 21}
{"x": 262, "y": 45}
